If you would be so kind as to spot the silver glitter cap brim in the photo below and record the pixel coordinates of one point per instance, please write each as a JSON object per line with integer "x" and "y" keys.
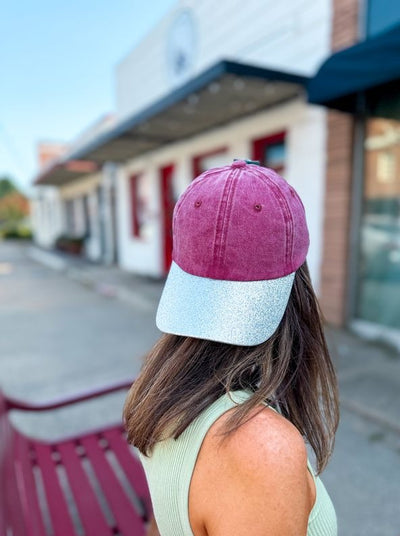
{"x": 245, "y": 313}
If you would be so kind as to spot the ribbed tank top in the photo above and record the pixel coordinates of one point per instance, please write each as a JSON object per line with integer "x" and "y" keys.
{"x": 170, "y": 467}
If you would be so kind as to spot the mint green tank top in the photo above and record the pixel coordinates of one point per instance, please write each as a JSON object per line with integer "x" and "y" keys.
{"x": 170, "y": 467}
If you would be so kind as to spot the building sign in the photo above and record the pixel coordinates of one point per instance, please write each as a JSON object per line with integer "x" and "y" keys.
{"x": 181, "y": 47}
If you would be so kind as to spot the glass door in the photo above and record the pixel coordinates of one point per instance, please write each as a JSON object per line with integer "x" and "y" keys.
{"x": 378, "y": 296}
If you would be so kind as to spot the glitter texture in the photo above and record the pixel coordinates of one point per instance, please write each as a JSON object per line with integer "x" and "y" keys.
{"x": 245, "y": 313}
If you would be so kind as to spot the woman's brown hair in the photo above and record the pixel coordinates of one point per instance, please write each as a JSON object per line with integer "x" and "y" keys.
{"x": 292, "y": 371}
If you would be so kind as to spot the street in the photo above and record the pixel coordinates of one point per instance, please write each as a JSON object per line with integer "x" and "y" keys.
{"x": 59, "y": 337}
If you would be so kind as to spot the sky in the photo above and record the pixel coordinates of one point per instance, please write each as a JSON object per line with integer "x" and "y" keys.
{"x": 57, "y": 65}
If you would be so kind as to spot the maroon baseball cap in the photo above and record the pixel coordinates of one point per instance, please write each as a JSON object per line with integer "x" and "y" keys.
{"x": 239, "y": 235}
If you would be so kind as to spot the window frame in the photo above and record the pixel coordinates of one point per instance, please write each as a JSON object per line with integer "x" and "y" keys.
{"x": 259, "y": 145}
{"x": 196, "y": 160}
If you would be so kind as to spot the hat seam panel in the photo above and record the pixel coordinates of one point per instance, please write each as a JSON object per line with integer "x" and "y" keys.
{"x": 285, "y": 211}
{"x": 289, "y": 221}
{"x": 220, "y": 220}
{"x": 227, "y": 215}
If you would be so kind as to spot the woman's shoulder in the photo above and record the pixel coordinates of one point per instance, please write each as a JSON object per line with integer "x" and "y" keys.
{"x": 262, "y": 466}
{"x": 266, "y": 437}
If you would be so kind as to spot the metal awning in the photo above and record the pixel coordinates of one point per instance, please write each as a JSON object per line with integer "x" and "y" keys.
{"x": 225, "y": 92}
{"x": 66, "y": 171}
{"x": 357, "y": 78}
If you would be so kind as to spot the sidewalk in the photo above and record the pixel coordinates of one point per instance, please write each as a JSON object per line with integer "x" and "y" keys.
{"x": 369, "y": 374}
{"x": 109, "y": 281}
{"x": 369, "y": 378}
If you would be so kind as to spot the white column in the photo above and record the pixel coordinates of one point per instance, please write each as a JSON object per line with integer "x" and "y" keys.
{"x": 107, "y": 217}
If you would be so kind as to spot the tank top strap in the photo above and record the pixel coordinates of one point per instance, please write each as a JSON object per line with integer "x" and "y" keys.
{"x": 194, "y": 436}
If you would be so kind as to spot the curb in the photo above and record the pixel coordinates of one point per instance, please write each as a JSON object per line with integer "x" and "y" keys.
{"x": 47, "y": 259}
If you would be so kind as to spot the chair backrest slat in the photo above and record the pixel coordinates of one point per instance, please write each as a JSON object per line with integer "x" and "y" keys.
{"x": 27, "y": 487}
{"x": 90, "y": 512}
{"x": 130, "y": 465}
{"x": 55, "y": 497}
{"x": 128, "y": 521}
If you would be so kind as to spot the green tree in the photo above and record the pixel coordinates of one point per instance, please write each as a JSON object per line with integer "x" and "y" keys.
{"x": 7, "y": 186}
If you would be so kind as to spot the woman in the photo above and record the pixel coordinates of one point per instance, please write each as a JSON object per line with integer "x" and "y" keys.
{"x": 242, "y": 375}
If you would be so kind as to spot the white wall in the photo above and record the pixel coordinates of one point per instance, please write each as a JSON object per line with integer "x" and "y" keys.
{"x": 107, "y": 216}
{"x": 93, "y": 242}
{"x": 306, "y": 169}
{"x": 305, "y": 127}
{"x": 47, "y": 215}
{"x": 291, "y": 35}
{"x": 141, "y": 255}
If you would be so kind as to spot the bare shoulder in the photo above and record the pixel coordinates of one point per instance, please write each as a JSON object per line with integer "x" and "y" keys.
{"x": 266, "y": 440}
{"x": 261, "y": 466}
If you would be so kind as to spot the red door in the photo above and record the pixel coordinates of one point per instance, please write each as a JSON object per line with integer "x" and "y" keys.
{"x": 167, "y": 208}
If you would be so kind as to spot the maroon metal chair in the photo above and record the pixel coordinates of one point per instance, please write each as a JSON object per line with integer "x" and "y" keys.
{"x": 91, "y": 484}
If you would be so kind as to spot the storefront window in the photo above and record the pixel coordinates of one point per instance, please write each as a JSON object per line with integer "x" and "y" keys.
{"x": 215, "y": 158}
{"x": 274, "y": 156}
{"x": 270, "y": 151}
{"x": 379, "y": 268}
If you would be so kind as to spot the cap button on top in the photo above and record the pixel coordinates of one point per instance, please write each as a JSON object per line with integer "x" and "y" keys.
{"x": 238, "y": 164}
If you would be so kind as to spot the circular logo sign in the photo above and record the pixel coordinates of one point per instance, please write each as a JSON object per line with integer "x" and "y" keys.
{"x": 181, "y": 46}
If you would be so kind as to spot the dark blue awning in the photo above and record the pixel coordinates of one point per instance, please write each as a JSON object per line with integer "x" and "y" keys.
{"x": 356, "y": 77}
